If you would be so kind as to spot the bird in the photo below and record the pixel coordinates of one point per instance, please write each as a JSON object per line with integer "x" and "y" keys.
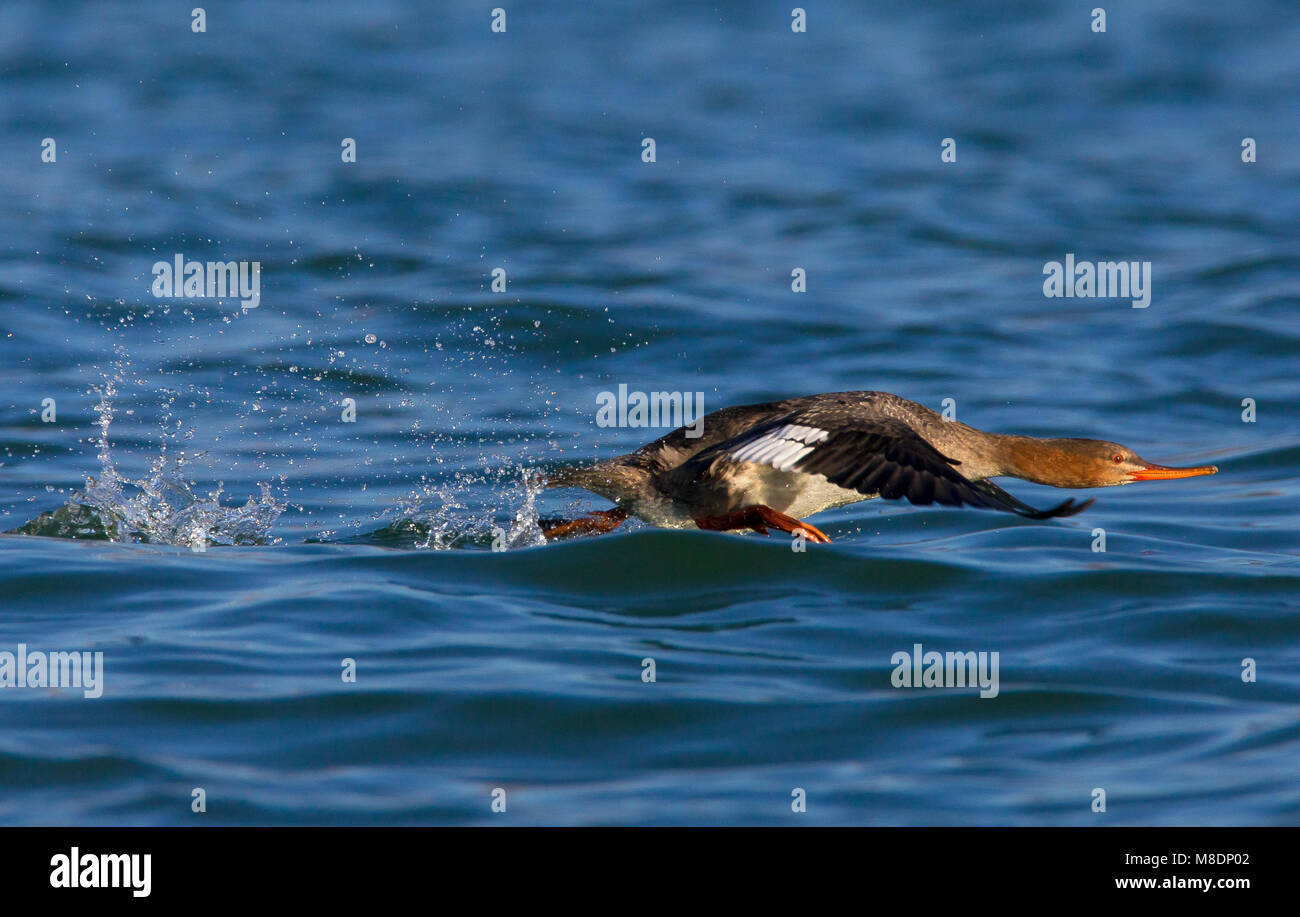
{"x": 758, "y": 467}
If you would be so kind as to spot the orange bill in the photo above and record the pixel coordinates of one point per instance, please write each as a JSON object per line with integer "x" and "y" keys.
{"x": 1163, "y": 472}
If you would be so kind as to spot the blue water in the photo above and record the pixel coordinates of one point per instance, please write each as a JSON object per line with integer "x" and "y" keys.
{"x": 258, "y": 540}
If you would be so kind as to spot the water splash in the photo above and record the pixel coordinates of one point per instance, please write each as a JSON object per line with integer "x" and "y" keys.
{"x": 160, "y": 508}
{"x": 435, "y": 516}
{"x": 527, "y": 529}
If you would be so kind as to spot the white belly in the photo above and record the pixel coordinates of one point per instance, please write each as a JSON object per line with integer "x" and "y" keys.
{"x": 797, "y": 495}
{"x": 800, "y": 495}
{"x": 821, "y": 496}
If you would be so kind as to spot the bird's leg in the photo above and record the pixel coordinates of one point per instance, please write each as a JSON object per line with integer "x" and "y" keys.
{"x": 597, "y": 523}
{"x": 760, "y": 518}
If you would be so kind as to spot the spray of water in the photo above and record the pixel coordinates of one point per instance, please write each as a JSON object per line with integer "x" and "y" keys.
{"x": 438, "y": 517}
{"x": 160, "y": 508}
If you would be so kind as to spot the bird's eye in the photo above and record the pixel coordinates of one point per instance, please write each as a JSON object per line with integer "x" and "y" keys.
{"x": 1117, "y": 458}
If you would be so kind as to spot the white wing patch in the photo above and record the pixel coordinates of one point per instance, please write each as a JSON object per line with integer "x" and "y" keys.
{"x": 781, "y": 447}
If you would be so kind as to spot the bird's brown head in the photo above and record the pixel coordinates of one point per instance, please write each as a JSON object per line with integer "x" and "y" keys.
{"x": 1094, "y": 463}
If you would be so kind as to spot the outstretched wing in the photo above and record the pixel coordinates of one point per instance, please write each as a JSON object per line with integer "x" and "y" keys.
{"x": 873, "y": 455}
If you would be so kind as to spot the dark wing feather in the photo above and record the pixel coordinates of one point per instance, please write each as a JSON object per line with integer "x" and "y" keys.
{"x": 875, "y": 455}
{"x": 1068, "y": 508}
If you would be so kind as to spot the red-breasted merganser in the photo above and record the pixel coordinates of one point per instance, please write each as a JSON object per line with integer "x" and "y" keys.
{"x": 761, "y": 466}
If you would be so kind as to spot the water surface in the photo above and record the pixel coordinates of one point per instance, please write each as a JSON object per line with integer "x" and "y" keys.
{"x": 260, "y": 540}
